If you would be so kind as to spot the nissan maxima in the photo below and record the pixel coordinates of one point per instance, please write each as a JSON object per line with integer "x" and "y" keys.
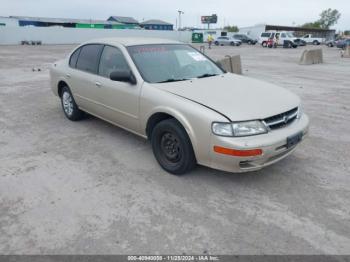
{"x": 191, "y": 110}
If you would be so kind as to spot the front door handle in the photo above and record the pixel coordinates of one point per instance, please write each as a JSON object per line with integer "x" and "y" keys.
{"x": 98, "y": 84}
{"x": 68, "y": 75}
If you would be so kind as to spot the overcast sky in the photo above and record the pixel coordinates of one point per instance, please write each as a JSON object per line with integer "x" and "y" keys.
{"x": 233, "y": 12}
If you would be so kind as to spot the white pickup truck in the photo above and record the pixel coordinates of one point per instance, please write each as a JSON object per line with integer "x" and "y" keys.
{"x": 313, "y": 40}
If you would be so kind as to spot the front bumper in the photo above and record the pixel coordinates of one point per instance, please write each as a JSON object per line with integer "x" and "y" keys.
{"x": 273, "y": 144}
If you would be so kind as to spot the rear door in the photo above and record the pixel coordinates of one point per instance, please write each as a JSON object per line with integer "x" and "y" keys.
{"x": 83, "y": 75}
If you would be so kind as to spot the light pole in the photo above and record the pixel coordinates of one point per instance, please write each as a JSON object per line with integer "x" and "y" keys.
{"x": 180, "y": 13}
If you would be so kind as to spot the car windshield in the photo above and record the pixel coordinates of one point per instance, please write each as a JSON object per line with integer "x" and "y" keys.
{"x": 171, "y": 62}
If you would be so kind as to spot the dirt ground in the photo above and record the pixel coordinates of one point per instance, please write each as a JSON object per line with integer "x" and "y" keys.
{"x": 92, "y": 188}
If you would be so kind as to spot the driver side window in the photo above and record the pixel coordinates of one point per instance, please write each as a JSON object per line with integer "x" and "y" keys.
{"x": 112, "y": 59}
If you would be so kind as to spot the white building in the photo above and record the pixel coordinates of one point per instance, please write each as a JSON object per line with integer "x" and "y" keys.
{"x": 253, "y": 32}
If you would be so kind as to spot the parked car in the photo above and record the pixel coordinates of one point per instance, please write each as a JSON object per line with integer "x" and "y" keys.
{"x": 300, "y": 42}
{"x": 245, "y": 39}
{"x": 343, "y": 43}
{"x": 225, "y": 40}
{"x": 331, "y": 43}
{"x": 282, "y": 36}
{"x": 289, "y": 44}
{"x": 188, "y": 107}
{"x": 313, "y": 40}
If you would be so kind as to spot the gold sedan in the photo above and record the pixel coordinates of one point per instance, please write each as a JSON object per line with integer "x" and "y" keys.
{"x": 191, "y": 110}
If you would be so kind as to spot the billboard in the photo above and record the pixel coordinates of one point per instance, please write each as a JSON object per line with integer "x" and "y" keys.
{"x": 212, "y": 19}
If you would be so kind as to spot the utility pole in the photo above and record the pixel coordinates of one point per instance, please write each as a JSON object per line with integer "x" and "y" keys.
{"x": 180, "y": 13}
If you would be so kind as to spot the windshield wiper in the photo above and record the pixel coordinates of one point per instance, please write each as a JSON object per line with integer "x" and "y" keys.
{"x": 207, "y": 75}
{"x": 172, "y": 80}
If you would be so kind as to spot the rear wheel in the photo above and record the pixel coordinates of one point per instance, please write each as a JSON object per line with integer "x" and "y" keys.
{"x": 70, "y": 108}
{"x": 172, "y": 147}
{"x": 216, "y": 43}
{"x": 316, "y": 42}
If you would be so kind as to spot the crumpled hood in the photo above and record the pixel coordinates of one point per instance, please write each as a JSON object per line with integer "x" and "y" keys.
{"x": 237, "y": 97}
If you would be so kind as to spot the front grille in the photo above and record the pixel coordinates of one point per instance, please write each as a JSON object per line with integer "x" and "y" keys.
{"x": 281, "y": 120}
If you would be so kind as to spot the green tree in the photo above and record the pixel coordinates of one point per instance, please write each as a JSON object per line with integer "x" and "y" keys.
{"x": 329, "y": 18}
{"x": 232, "y": 28}
{"x": 316, "y": 24}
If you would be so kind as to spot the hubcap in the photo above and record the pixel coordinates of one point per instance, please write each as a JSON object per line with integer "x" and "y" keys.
{"x": 67, "y": 103}
{"x": 170, "y": 147}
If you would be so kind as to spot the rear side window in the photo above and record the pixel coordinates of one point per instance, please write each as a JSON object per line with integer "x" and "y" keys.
{"x": 265, "y": 35}
{"x": 112, "y": 59}
{"x": 74, "y": 58}
{"x": 89, "y": 58}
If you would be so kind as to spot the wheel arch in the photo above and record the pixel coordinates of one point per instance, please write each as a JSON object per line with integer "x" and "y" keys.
{"x": 60, "y": 86}
{"x": 163, "y": 114}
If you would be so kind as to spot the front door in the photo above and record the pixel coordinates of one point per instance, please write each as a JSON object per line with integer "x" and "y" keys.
{"x": 119, "y": 100}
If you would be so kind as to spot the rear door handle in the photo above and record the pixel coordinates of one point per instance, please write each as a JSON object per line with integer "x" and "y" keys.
{"x": 98, "y": 84}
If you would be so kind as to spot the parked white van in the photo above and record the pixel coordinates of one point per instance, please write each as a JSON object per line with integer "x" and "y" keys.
{"x": 284, "y": 35}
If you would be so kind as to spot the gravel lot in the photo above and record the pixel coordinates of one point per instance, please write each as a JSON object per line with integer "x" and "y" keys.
{"x": 92, "y": 188}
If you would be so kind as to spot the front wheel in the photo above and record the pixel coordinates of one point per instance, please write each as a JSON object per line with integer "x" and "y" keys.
{"x": 70, "y": 108}
{"x": 216, "y": 43}
{"x": 172, "y": 147}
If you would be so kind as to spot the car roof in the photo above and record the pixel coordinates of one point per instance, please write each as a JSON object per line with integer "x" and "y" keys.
{"x": 133, "y": 41}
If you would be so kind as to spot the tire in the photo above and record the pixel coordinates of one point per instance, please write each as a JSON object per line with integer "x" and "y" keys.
{"x": 69, "y": 107}
{"x": 250, "y": 43}
{"x": 172, "y": 147}
{"x": 216, "y": 43}
{"x": 232, "y": 43}
{"x": 315, "y": 42}
{"x": 264, "y": 44}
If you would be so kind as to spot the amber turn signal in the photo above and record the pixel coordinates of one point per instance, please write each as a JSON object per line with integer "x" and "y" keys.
{"x": 239, "y": 153}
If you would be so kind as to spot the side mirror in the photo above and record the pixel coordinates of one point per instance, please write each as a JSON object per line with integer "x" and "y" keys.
{"x": 123, "y": 76}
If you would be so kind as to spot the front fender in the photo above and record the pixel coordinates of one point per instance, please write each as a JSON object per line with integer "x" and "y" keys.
{"x": 195, "y": 118}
